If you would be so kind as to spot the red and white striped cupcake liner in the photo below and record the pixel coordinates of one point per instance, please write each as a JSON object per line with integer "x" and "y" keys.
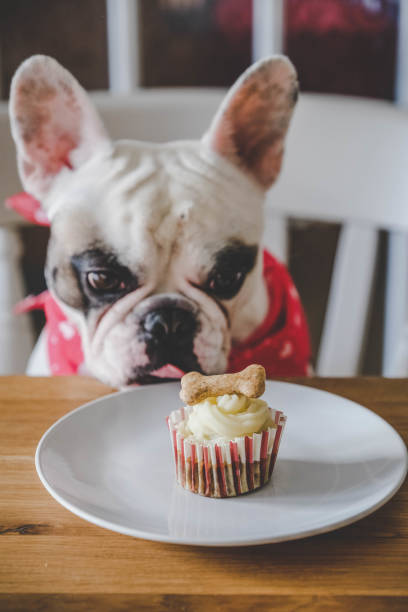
{"x": 225, "y": 469}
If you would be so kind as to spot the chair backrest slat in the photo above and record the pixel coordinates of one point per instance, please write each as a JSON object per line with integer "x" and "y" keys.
{"x": 348, "y": 303}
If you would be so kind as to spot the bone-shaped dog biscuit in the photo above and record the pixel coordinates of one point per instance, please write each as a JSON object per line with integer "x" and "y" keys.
{"x": 196, "y": 387}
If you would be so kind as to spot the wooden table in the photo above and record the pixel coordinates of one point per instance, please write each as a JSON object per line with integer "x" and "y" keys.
{"x": 53, "y": 560}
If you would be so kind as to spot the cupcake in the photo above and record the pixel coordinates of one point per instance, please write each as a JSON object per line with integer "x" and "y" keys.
{"x": 226, "y": 438}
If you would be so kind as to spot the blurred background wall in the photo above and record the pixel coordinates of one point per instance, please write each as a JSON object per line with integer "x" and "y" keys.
{"x": 338, "y": 46}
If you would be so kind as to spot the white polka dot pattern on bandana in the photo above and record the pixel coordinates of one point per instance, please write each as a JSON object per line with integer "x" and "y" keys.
{"x": 67, "y": 330}
{"x": 287, "y": 350}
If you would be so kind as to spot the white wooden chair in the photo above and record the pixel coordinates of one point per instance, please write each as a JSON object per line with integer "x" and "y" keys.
{"x": 345, "y": 161}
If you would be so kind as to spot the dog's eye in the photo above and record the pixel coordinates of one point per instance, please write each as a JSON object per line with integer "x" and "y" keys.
{"x": 105, "y": 280}
{"x": 225, "y": 284}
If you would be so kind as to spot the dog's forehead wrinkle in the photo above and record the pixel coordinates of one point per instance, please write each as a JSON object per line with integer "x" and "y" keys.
{"x": 135, "y": 173}
{"x": 189, "y": 164}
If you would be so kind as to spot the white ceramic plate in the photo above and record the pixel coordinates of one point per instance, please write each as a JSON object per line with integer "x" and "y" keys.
{"x": 111, "y": 463}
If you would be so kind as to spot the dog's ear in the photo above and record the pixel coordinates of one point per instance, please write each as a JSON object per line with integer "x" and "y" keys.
{"x": 53, "y": 122}
{"x": 250, "y": 126}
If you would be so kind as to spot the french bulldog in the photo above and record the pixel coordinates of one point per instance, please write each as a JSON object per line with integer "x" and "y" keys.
{"x": 154, "y": 253}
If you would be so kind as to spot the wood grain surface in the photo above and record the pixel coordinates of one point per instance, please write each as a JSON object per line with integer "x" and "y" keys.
{"x": 52, "y": 560}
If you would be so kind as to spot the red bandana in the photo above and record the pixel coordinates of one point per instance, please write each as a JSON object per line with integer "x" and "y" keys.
{"x": 281, "y": 343}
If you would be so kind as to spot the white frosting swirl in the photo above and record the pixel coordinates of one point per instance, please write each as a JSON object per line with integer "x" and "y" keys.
{"x": 227, "y": 417}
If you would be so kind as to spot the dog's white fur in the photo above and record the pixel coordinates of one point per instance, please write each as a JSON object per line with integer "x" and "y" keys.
{"x": 165, "y": 209}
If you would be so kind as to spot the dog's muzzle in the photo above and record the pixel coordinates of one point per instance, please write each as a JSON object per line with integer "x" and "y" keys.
{"x": 168, "y": 324}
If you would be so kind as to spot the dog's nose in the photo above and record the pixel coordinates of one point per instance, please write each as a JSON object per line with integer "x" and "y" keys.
{"x": 163, "y": 323}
